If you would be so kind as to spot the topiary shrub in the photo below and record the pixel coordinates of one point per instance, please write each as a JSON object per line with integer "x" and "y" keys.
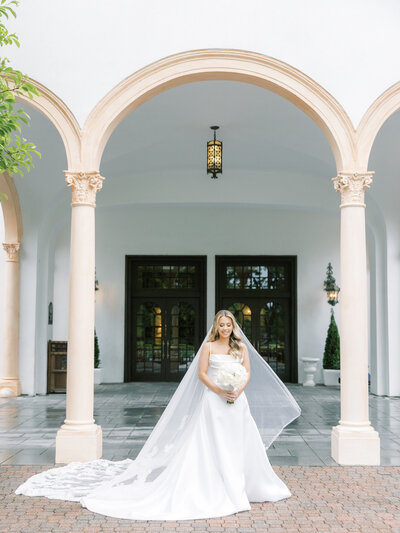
{"x": 331, "y": 359}
{"x": 96, "y": 351}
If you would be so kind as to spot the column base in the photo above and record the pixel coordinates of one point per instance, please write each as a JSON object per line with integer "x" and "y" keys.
{"x": 10, "y": 387}
{"x": 79, "y": 444}
{"x": 353, "y": 445}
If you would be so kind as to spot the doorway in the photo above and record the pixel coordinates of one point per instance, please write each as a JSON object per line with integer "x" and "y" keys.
{"x": 260, "y": 291}
{"x": 164, "y": 315}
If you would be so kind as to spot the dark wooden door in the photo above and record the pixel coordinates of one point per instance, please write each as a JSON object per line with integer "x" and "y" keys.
{"x": 164, "y": 316}
{"x": 261, "y": 293}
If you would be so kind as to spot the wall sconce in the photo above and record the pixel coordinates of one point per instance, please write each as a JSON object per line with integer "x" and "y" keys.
{"x": 214, "y": 155}
{"x": 332, "y": 290}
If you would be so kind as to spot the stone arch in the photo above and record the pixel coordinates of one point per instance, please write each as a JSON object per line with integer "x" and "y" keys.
{"x": 62, "y": 118}
{"x": 52, "y": 107}
{"x": 216, "y": 64}
{"x": 374, "y": 118}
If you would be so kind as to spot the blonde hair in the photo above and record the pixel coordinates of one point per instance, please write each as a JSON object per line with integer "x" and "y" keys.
{"x": 235, "y": 340}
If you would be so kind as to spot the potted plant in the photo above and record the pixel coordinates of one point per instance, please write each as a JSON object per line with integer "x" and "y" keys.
{"x": 97, "y": 369}
{"x": 331, "y": 360}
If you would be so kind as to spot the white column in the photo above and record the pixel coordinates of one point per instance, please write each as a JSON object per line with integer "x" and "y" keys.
{"x": 9, "y": 382}
{"x": 354, "y": 441}
{"x": 79, "y": 438}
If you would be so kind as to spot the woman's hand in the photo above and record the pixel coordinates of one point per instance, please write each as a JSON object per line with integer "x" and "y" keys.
{"x": 228, "y": 395}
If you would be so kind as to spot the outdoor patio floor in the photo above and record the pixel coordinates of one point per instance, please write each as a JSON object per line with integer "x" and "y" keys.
{"x": 325, "y": 497}
{"x": 127, "y": 413}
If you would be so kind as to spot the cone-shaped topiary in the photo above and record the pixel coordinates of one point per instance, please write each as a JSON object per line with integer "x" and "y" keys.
{"x": 332, "y": 346}
{"x": 96, "y": 351}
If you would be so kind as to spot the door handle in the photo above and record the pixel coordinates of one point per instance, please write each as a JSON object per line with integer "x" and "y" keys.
{"x": 162, "y": 349}
{"x": 167, "y": 349}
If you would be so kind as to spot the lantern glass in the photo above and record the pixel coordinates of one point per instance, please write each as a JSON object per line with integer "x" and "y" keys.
{"x": 214, "y": 155}
{"x": 333, "y": 296}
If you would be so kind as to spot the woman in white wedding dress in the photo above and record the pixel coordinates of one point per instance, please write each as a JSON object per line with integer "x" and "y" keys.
{"x": 205, "y": 457}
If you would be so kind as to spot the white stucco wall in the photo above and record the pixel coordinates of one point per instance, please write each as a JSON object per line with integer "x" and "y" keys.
{"x": 297, "y": 187}
{"x": 350, "y": 48}
{"x": 202, "y": 230}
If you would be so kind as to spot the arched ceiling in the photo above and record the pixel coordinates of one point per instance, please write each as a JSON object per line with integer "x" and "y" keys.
{"x": 272, "y": 152}
{"x": 260, "y": 130}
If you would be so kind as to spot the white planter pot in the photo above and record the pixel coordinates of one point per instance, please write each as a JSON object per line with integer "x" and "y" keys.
{"x": 98, "y": 374}
{"x": 309, "y": 368}
{"x": 331, "y": 377}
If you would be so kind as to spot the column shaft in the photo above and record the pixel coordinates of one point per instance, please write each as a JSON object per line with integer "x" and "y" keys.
{"x": 79, "y": 438}
{"x": 9, "y": 381}
{"x": 353, "y": 318}
{"x": 354, "y": 441}
{"x": 80, "y": 369}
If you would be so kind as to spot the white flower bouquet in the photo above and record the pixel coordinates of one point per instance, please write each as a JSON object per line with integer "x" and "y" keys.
{"x": 231, "y": 377}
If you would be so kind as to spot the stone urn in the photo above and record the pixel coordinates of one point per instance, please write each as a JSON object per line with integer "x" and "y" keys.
{"x": 310, "y": 367}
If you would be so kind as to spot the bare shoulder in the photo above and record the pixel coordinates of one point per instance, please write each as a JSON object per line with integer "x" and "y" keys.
{"x": 245, "y": 353}
{"x": 243, "y": 348}
{"x": 206, "y": 348}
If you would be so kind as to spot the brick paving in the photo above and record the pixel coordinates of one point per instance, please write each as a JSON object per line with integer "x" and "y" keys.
{"x": 337, "y": 499}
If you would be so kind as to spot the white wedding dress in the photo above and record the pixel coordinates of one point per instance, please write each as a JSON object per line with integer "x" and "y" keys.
{"x": 219, "y": 468}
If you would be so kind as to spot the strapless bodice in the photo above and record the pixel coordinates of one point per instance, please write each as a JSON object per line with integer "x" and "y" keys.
{"x": 217, "y": 360}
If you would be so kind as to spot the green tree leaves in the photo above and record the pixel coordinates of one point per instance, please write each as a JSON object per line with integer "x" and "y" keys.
{"x": 16, "y": 153}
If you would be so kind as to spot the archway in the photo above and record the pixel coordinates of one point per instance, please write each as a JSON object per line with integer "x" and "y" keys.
{"x": 236, "y": 65}
{"x": 377, "y": 137}
{"x": 373, "y": 120}
{"x": 57, "y": 113}
{"x": 79, "y": 437}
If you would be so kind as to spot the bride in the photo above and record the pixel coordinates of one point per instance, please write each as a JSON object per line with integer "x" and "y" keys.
{"x": 206, "y": 456}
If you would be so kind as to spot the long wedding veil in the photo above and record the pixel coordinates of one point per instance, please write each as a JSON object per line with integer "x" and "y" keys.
{"x": 271, "y": 405}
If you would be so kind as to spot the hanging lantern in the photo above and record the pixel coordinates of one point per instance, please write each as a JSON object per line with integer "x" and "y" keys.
{"x": 332, "y": 290}
{"x": 214, "y": 155}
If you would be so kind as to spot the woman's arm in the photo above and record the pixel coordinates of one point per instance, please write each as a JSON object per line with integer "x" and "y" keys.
{"x": 203, "y": 367}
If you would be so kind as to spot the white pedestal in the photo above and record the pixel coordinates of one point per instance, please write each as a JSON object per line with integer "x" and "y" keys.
{"x": 309, "y": 368}
{"x": 78, "y": 444}
{"x": 10, "y": 387}
{"x": 355, "y": 446}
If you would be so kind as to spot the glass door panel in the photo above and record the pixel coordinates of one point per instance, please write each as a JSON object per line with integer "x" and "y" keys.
{"x": 149, "y": 338}
{"x": 273, "y": 335}
{"x": 260, "y": 291}
{"x": 266, "y": 323}
{"x": 242, "y": 314}
{"x": 182, "y": 338}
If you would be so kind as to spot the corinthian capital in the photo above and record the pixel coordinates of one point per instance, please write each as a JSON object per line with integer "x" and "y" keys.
{"x": 12, "y": 251}
{"x": 84, "y": 186}
{"x": 352, "y": 185}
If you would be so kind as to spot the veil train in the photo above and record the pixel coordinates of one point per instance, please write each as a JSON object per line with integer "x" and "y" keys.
{"x": 271, "y": 405}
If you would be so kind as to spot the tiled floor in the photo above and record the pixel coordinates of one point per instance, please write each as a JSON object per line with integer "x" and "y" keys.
{"x": 128, "y": 412}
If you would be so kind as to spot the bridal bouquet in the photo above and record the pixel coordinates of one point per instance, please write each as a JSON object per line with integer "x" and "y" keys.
{"x": 231, "y": 377}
